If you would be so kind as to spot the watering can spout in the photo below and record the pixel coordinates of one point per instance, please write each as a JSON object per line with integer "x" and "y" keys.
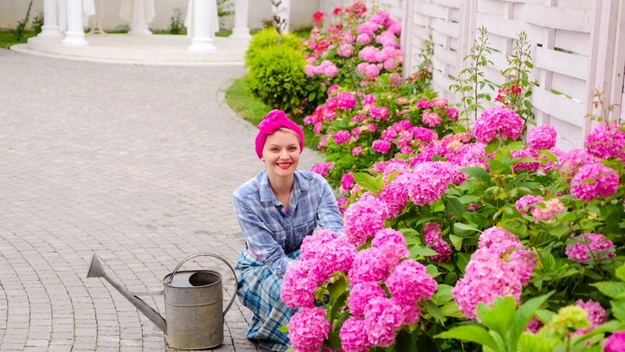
{"x": 96, "y": 270}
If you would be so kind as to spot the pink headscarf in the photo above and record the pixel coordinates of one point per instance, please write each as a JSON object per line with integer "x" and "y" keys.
{"x": 275, "y": 120}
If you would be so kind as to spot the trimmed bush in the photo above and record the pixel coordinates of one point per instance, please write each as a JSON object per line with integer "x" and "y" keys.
{"x": 278, "y": 78}
{"x": 268, "y": 38}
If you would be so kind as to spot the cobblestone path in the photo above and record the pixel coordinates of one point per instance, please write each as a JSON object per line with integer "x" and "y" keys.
{"x": 136, "y": 163}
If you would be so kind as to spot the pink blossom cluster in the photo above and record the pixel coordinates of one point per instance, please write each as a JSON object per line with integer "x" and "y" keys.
{"x": 468, "y": 155}
{"x": 345, "y": 100}
{"x": 569, "y": 162}
{"x": 434, "y": 240}
{"x": 341, "y": 137}
{"x": 497, "y": 123}
{"x": 375, "y": 318}
{"x": 363, "y": 219}
{"x": 489, "y": 274}
{"x": 347, "y": 182}
{"x": 448, "y": 147}
{"x": 530, "y": 164}
{"x": 606, "y": 141}
{"x": 596, "y": 314}
{"x": 589, "y": 248}
{"x": 542, "y": 137}
{"x": 381, "y": 146}
{"x": 431, "y": 118}
{"x": 308, "y": 328}
{"x": 322, "y": 254}
{"x": 547, "y": 211}
{"x": 615, "y": 343}
{"x": 594, "y": 181}
{"x": 326, "y": 68}
{"x": 428, "y": 181}
{"x": 322, "y": 168}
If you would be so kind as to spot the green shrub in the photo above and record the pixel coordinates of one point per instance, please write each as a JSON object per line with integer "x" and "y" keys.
{"x": 277, "y": 78}
{"x": 268, "y": 38}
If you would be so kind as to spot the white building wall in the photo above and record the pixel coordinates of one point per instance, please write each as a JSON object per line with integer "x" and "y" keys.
{"x": 12, "y": 11}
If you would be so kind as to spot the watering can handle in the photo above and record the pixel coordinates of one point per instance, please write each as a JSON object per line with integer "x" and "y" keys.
{"x": 236, "y": 281}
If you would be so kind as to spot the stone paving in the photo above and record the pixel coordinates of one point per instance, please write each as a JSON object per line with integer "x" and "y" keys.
{"x": 136, "y": 163}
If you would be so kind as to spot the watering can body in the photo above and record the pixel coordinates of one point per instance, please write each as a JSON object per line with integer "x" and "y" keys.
{"x": 193, "y": 304}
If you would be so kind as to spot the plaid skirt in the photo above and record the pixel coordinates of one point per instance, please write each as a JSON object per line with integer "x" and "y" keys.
{"x": 259, "y": 291}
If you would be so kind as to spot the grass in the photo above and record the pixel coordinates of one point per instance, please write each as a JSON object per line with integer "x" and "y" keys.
{"x": 303, "y": 32}
{"x": 251, "y": 109}
{"x": 7, "y": 38}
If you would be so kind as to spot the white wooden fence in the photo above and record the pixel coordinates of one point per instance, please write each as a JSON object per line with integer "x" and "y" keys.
{"x": 578, "y": 47}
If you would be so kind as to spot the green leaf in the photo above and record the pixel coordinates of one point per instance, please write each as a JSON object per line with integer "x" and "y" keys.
{"x": 618, "y": 309}
{"x": 283, "y": 329}
{"x": 422, "y": 251}
{"x": 620, "y": 272}
{"x": 338, "y": 306}
{"x": 469, "y": 198}
{"x": 450, "y": 309}
{"x": 492, "y": 146}
{"x": 443, "y": 293}
{"x": 434, "y": 311}
{"x": 478, "y": 173}
{"x": 432, "y": 270}
{"x": 462, "y": 259}
{"x": 499, "y": 316}
{"x": 529, "y": 342}
{"x": 610, "y": 288}
{"x": 338, "y": 288}
{"x": 367, "y": 182}
{"x": 544, "y": 315}
{"x": 456, "y": 241}
{"x": 471, "y": 333}
{"x": 523, "y": 316}
{"x": 312, "y": 96}
{"x": 334, "y": 341}
{"x": 454, "y": 206}
{"x": 466, "y": 227}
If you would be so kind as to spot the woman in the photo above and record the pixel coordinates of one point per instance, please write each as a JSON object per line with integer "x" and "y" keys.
{"x": 276, "y": 210}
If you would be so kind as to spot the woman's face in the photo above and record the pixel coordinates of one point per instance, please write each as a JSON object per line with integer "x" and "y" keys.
{"x": 281, "y": 153}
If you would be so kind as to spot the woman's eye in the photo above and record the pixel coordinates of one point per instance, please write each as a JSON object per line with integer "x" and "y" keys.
{"x": 292, "y": 149}
{"x": 274, "y": 149}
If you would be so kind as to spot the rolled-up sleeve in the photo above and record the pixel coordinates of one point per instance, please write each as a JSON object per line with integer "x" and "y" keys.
{"x": 260, "y": 239}
{"x": 328, "y": 215}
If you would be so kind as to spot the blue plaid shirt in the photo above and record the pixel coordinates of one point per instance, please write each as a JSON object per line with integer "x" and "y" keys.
{"x": 270, "y": 232}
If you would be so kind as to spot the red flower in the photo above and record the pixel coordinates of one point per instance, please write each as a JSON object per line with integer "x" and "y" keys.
{"x": 318, "y": 17}
{"x": 337, "y": 11}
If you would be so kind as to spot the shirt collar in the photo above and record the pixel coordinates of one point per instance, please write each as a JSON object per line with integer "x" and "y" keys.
{"x": 266, "y": 194}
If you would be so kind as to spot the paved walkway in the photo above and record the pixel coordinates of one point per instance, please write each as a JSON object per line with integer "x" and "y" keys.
{"x": 136, "y": 163}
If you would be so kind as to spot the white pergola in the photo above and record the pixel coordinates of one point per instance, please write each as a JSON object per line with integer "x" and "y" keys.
{"x": 201, "y": 20}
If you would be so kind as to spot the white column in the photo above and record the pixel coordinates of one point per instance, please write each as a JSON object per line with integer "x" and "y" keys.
{"x": 50, "y": 29}
{"x": 75, "y": 34}
{"x": 202, "y": 36}
{"x": 284, "y": 11}
{"x": 139, "y": 26}
{"x": 240, "y": 30}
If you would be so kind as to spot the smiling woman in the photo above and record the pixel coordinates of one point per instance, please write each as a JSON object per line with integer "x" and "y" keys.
{"x": 276, "y": 210}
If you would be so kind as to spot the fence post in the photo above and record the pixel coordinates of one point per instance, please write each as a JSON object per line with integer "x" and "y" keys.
{"x": 406, "y": 36}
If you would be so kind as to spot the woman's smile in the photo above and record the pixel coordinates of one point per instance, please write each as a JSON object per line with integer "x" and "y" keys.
{"x": 284, "y": 165}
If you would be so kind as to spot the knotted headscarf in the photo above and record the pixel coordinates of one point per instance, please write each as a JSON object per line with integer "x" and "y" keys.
{"x": 275, "y": 120}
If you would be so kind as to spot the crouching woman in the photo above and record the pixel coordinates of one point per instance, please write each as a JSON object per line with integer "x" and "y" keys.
{"x": 276, "y": 210}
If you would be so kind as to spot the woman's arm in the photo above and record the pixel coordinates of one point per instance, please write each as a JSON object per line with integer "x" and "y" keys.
{"x": 328, "y": 215}
{"x": 259, "y": 238}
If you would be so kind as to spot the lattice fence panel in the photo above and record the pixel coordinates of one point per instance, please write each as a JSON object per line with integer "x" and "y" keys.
{"x": 560, "y": 34}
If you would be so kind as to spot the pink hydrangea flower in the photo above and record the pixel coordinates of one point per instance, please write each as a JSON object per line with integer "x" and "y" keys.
{"x": 423, "y": 134}
{"x": 361, "y": 294}
{"x": 606, "y": 141}
{"x": 395, "y": 29}
{"x": 452, "y": 113}
{"x": 525, "y": 203}
{"x": 394, "y": 196}
{"x": 428, "y": 182}
{"x": 363, "y": 39}
{"x": 401, "y": 125}
{"x": 424, "y": 104}
{"x": 529, "y": 166}
{"x": 615, "y": 343}
{"x": 345, "y": 50}
{"x": 341, "y": 204}
{"x": 379, "y": 113}
{"x": 434, "y": 240}
{"x": 440, "y": 103}
{"x": 488, "y": 275}
{"x": 589, "y": 247}
{"x": 393, "y": 244}
{"x": 369, "y": 99}
{"x": 308, "y": 328}
{"x": 382, "y": 320}
{"x": 353, "y": 338}
{"x": 409, "y": 283}
{"x": 594, "y": 181}
{"x": 388, "y": 134}
{"x": 596, "y": 313}
{"x": 299, "y": 286}
{"x": 552, "y": 207}
{"x": 322, "y": 168}
{"x": 405, "y": 137}
{"x": 542, "y": 137}
{"x": 372, "y": 70}
{"x": 370, "y": 265}
{"x": 431, "y": 119}
{"x": 569, "y": 162}
{"x": 347, "y": 182}
{"x": 381, "y": 146}
{"x": 312, "y": 245}
{"x": 346, "y": 100}
{"x": 497, "y": 123}
{"x": 468, "y": 155}
{"x": 534, "y": 325}
{"x": 363, "y": 219}
{"x": 332, "y": 89}
{"x": 341, "y": 137}
{"x": 356, "y": 150}
{"x": 330, "y": 70}
{"x": 335, "y": 256}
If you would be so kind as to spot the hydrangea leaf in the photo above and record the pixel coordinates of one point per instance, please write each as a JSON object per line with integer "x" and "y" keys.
{"x": 471, "y": 333}
{"x": 499, "y": 316}
{"x": 610, "y": 288}
{"x": 522, "y": 317}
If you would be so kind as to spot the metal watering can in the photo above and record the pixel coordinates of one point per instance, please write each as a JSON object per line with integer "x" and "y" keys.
{"x": 193, "y": 304}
